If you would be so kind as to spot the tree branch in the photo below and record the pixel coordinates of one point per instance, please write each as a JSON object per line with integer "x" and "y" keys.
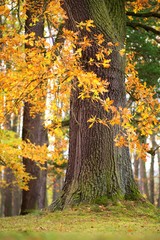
{"x": 19, "y": 18}
{"x": 149, "y": 14}
{"x": 145, "y": 27}
{"x": 153, "y": 151}
{"x": 64, "y": 123}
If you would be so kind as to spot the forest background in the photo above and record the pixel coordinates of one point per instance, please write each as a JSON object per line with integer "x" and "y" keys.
{"x": 39, "y": 60}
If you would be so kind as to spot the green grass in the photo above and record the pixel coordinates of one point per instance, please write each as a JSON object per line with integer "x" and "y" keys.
{"x": 122, "y": 221}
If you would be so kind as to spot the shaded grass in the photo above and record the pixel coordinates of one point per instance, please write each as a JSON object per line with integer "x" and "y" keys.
{"x": 129, "y": 220}
{"x": 73, "y": 236}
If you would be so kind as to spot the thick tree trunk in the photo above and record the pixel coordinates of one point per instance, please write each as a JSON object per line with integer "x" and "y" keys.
{"x": 96, "y": 168}
{"x": 33, "y": 128}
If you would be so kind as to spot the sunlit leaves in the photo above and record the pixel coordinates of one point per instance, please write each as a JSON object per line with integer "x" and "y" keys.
{"x": 138, "y": 5}
{"x": 10, "y": 156}
{"x": 4, "y": 10}
{"x": 44, "y": 74}
{"x": 99, "y": 39}
{"x": 145, "y": 109}
{"x": 12, "y": 149}
{"x": 87, "y": 25}
{"x": 107, "y": 104}
{"x": 54, "y": 13}
{"x": 138, "y": 121}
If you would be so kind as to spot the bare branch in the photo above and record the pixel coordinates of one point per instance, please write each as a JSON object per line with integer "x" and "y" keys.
{"x": 149, "y": 14}
{"x": 50, "y": 31}
{"x": 145, "y": 27}
{"x": 19, "y": 18}
{"x": 153, "y": 151}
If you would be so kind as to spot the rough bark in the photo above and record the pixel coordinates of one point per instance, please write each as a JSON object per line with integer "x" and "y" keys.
{"x": 33, "y": 128}
{"x": 96, "y": 168}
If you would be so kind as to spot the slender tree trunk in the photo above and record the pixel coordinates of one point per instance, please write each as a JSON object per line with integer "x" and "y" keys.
{"x": 17, "y": 199}
{"x": 146, "y": 189}
{"x": 8, "y": 194}
{"x": 57, "y": 187}
{"x": 152, "y": 190}
{"x": 158, "y": 203}
{"x": 8, "y": 177}
{"x": 152, "y": 182}
{"x": 33, "y": 128}
{"x": 7, "y": 204}
{"x": 143, "y": 179}
{"x": 11, "y": 195}
{"x": 96, "y": 168}
{"x": 42, "y": 188}
{"x": 1, "y": 197}
{"x": 136, "y": 169}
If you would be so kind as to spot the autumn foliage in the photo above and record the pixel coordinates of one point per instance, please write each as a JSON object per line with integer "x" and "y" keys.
{"x": 42, "y": 75}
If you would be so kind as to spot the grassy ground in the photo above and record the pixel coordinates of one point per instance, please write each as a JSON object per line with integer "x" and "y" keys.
{"x": 123, "y": 221}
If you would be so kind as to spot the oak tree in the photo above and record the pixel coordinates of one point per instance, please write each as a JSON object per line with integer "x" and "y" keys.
{"x": 97, "y": 168}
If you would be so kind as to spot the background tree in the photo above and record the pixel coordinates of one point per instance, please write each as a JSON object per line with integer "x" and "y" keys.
{"x": 145, "y": 47}
{"x": 33, "y": 127}
{"x": 33, "y": 62}
{"x": 10, "y": 192}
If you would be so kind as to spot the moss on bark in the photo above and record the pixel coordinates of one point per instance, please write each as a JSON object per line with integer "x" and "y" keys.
{"x": 98, "y": 171}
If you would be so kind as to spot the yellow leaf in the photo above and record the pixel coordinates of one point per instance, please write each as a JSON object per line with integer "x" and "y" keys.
{"x": 4, "y": 10}
{"x": 122, "y": 52}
